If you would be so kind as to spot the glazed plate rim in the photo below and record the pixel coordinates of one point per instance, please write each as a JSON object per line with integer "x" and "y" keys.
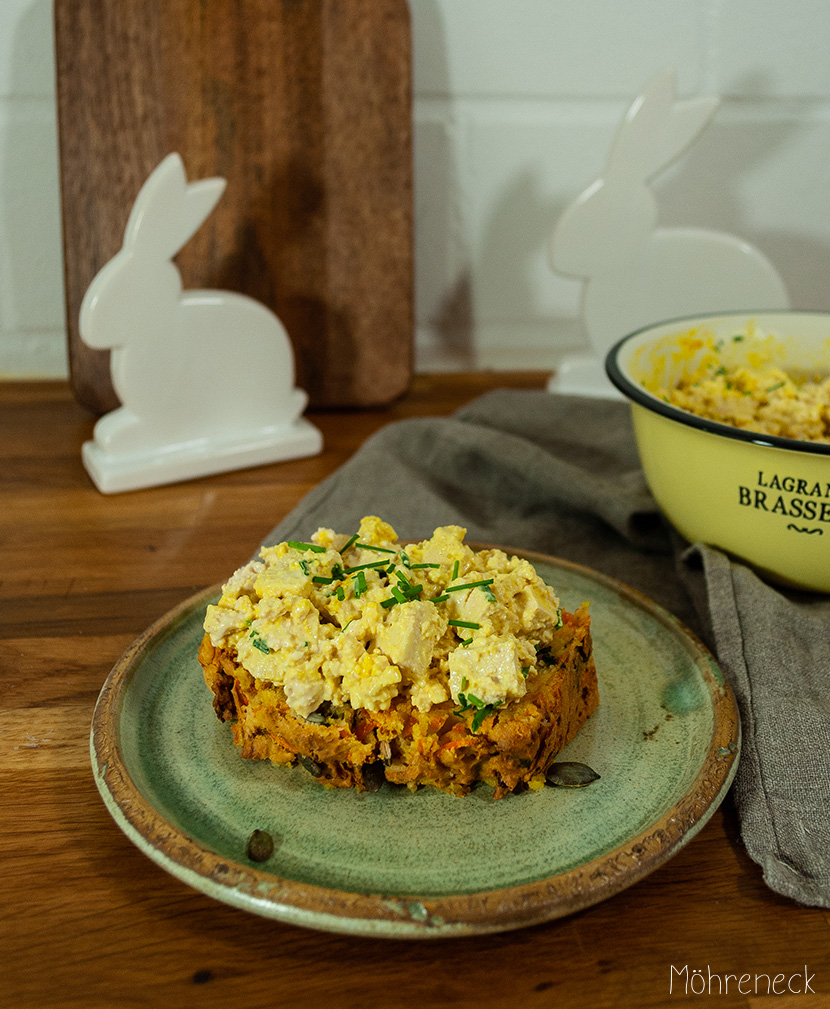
{"x": 243, "y": 885}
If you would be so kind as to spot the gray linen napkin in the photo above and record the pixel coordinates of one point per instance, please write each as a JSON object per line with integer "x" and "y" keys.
{"x": 561, "y": 475}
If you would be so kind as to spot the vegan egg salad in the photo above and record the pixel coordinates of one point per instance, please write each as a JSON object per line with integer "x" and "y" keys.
{"x": 737, "y": 382}
{"x": 362, "y": 619}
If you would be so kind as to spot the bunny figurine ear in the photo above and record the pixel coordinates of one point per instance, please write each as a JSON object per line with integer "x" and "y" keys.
{"x": 168, "y": 211}
{"x": 657, "y": 128}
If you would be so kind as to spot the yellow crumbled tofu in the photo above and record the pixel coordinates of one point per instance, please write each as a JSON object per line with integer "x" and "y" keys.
{"x": 490, "y": 668}
{"x": 752, "y": 392}
{"x": 362, "y": 618}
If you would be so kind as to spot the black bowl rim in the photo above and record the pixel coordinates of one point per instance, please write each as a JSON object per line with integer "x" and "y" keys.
{"x": 639, "y": 395}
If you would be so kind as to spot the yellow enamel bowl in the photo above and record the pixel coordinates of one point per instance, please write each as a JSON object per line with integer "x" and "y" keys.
{"x": 762, "y": 498}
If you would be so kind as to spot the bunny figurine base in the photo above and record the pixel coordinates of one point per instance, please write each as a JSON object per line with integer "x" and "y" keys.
{"x": 114, "y": 471}
{"x": 205, "y": 378}
{"x": 582, "y": 375}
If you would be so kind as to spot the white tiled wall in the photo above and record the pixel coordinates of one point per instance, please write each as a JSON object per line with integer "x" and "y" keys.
{"x": 32, "y": 338}
{"x": 516, "y": 105}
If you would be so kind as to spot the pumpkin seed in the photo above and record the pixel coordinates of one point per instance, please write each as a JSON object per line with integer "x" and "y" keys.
{"x": 313, "y": 768}
{"x": 260, "y": 846}
{"x": 570, "y": 774}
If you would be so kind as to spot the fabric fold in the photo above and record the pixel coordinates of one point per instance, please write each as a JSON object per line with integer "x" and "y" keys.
{"x": 775, "y": 649}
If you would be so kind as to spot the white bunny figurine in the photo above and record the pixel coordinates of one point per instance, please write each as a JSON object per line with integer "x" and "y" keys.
{"x": 205, "y": 378}
{"x": 636, "y": 272}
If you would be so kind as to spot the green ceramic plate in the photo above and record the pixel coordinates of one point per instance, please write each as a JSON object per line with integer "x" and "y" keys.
{"x": 423, "y": 864}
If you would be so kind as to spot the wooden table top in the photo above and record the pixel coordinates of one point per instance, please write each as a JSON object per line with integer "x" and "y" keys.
{"x": 88, "y": 920}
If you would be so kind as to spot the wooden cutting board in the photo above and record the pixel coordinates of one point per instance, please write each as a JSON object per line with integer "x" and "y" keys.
{"x": 304, "y": 106}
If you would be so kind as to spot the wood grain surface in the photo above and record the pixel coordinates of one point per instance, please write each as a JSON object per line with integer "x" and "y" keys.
{"x": 304, "y": 106}
{"x": 89, "y": 921}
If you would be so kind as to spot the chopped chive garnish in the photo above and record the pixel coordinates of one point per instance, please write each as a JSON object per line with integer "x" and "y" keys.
{"x": 341, "y": 594}
{"x": 343, "y": 628}
{"x": 466, "y": 641}
{"x": 738, "y": 338}
{"x": 379, "y": 550}
{"x": 322, "y": 580}
{"x": 406, "y": 587}
{"x": 396, "y": 592}
{"x": 480, "y": 715}
{"x": 454, "y": 574}
{"x": 463, "y": 623}
{"x": 439, "y": 599}
{"x": 475, "y": 701}
{"x": 410, "y": 589}
{"x": 414, "y": 566}
{"x": 349, "y": 542}
{"x": 468, "y": 585}
{"x": 362, "y": 567}
{"x": 305, "y": 568}
{"x": 777, "y": 385}
{"x": 525, "y": 671}
{"x": 464, "y": 682}
{"x": 359, "y": 585}
{"x": 407, "y": 563}
{"x": 386, "y": 603}
{"x": 489, "y": 595}
{"x": 258, "y": 642}
{"x": 391, "y": 568}
{"x": 313, "y": 547}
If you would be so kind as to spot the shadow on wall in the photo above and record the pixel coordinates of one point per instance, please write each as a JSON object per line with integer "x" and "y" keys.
{"x": 30, "y": 212}
{"x": 513, "y": 246}
{"x": 704, "y": 191}
{"x": 498, "y": 284}
{"x": 446, "y": 253}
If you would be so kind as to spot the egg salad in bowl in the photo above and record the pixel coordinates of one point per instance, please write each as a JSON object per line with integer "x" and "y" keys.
{"x": 369, "y": 660}
{"x": 731, "y": 414}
